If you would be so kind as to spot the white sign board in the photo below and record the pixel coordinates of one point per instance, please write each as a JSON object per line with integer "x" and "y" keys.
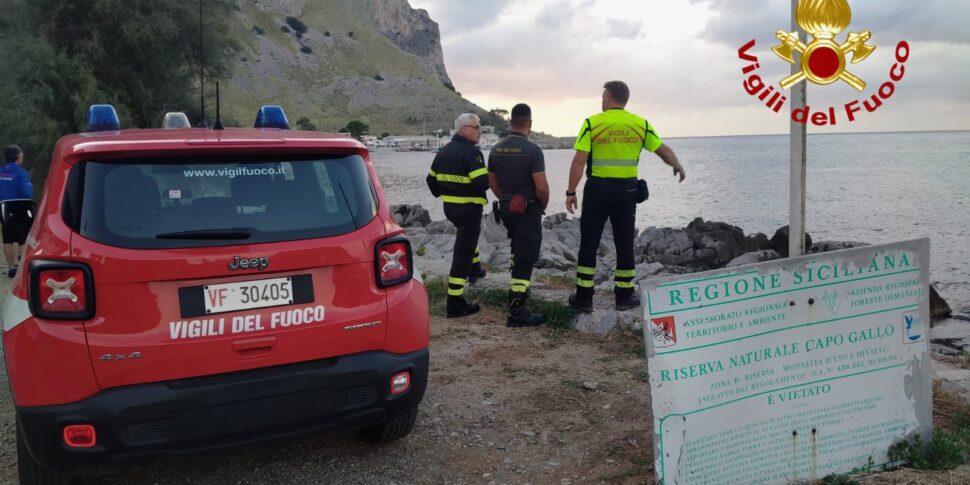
{"x": 789, "y": 370}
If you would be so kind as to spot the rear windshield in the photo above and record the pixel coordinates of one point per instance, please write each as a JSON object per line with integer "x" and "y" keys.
{"x": 209, "y": 202}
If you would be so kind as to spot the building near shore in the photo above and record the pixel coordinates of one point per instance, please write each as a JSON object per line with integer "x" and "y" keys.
{"x": 413, "y": 142}
{"x": 489, "y": 137}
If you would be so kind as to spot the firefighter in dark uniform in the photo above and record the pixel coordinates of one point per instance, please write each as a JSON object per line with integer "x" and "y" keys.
{"x": 517, "y": 176}
{"x": 608, "y": 151}
{"x": 458, "y": 175}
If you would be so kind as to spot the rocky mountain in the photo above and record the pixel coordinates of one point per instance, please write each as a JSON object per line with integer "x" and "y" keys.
{"x": 332, "y": 61}
{"x": 411, "y": 30}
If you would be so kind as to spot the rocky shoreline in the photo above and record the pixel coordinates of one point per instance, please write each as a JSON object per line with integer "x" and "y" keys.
{"x": 659, "y": 251}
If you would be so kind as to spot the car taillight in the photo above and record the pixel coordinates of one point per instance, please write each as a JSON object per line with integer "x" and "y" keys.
{"x": 393, "y": 263}
{"x": 61, "y": 290}
{"x": 80, "y": 436}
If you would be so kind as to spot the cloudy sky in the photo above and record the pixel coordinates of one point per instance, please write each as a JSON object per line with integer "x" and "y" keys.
{"x": 681, "y": 62}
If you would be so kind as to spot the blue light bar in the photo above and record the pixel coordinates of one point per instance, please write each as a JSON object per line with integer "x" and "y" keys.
{"x": 103, "y": 117}
{"x": 271, "y": 116}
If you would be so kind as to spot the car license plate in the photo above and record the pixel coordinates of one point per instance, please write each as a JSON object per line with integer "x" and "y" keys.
{"x": 245, "y": 295}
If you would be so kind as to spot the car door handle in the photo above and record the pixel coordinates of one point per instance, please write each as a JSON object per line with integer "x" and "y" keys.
{"x": 254, "y": 347}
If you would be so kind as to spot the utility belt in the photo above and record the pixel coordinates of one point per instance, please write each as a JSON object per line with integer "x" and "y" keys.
{"x": 640, "y": 185}
{"x": 516, "y": 205}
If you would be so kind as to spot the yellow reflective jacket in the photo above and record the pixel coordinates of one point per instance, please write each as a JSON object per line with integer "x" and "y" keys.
{"x": 614, "y": 139}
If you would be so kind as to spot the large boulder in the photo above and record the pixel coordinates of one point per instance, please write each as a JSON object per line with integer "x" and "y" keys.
{"x": 441, "y": 227}
{"x": 565, "y": 231}
{"x": 715, "y": 243}
{"x": 826, "y": 246}
{"x": 779, "y": 242}
{"x": 497, "y": 255}
{"x": 753, "y": 257}
{"x": 701, "y": 245}
{"x": 409, "y": 215}
{"x": 433, "y": 245}
{"x": 556, "y": 255}
{"x": 554, "y": 220}
{"x": 757, "y": 242}
{"x": 494, "y": 231}
{"x": 647, "y": 270}
{"x": 939, "y": 309}
{"x": 665, "y": 245}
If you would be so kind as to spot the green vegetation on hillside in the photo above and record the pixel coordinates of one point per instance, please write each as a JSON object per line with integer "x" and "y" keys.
{"x": 342, "y": 78}
{"x": 60, "y": 56}
{"x": 326, "y": 61}
{"x": 356, "y": 129}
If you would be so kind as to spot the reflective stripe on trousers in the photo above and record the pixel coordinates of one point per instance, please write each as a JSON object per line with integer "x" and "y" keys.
{"x": 467, "y": 219}
{"x": 614, "y": 200}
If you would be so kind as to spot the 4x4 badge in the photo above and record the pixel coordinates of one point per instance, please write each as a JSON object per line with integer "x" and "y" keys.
{"x": 248, "y": 263}
{"x": 111, "y": 357}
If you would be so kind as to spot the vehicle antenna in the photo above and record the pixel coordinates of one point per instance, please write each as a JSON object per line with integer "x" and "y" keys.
{"x": 203, "y": 123}
{"x": 218, "y": 124}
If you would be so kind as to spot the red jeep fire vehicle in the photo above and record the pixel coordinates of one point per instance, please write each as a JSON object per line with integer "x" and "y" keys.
{"x": 193, "y": 289}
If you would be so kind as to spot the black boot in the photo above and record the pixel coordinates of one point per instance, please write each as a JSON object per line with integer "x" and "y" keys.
{"x": 476, "y": 273}
{"x": 519, "y": 314}
{"x": 582, "y": 301}
{"x": 458, "y": 307}
{"x": 627, "y": 301}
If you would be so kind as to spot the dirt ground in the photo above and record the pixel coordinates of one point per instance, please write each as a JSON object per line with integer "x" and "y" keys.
{"x": 503, "y": 406}
{"x": 514, "y": 406}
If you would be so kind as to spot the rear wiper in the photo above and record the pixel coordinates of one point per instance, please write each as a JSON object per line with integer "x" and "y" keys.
{"x": 228, "y": 233}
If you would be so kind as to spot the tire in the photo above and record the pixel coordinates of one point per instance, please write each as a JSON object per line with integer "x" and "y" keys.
{"x": 391, "y": 430}
{"x": 33, "y": 473}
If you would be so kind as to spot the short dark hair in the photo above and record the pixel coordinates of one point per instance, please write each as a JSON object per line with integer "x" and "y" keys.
{"x": 618, "y": 90}
{"x": 11, "y": 153}
{"x": 521, "y": 115}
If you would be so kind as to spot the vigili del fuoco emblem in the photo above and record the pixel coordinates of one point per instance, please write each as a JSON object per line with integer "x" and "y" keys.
{"x": 823, "y": 60}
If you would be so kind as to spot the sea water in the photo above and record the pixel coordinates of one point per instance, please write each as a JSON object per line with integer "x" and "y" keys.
{"x": 875, "y": 188}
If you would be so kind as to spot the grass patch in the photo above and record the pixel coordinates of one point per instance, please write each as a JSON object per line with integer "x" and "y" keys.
{"x": 640, "y": 374}
{"x": 558, "y": 315}
{"x": 437, "y": 295}
{"x": 626, "y": 341}
{"x": 948, "y": 447}
{"x": 557, "y": 281}
{"x": 946, "y": 450}
{"x": 839, "y": 480}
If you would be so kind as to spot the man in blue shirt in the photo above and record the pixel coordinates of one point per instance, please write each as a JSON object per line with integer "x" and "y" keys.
{"x": 16, "y": 197}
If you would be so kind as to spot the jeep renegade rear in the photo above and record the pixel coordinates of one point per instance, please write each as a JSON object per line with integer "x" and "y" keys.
{"x": 193, "y": 289}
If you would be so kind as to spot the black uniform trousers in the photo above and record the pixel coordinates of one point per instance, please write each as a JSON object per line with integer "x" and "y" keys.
{"x": 615, "y": 200}
{"x": 525, "y": 230}
{"x": 467, "y": 219}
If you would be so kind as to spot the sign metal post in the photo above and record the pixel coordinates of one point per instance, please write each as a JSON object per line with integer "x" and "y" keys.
{"x": 798, "y": 156}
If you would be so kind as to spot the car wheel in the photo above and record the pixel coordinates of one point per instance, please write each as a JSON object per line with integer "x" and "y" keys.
{"x": 391, "y": 430}
{"x": 33, "y": 473}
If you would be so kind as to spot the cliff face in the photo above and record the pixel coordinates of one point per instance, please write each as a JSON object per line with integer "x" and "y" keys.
{"x": 378, "y": 61}
{"x": 411, "y": 30}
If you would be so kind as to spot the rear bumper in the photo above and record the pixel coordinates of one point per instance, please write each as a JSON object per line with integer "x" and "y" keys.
{"x": 138, "y": 423}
